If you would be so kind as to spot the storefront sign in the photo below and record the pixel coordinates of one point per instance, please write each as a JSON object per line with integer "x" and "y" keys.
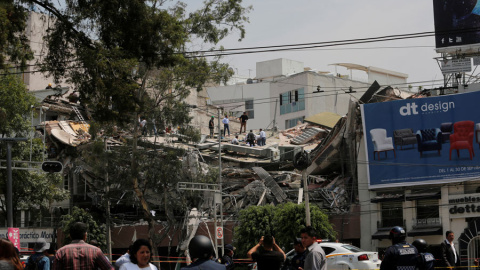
{"x": 408, "y": 143}
{"x": 463, "y": 206}
{"x": 14, "y": 236}
{"x": 30, "y": 235}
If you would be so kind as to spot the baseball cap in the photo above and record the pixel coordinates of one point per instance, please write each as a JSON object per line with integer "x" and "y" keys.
{"x": 229, "y": 247}
{"x": 297, "y": 241}
{"x": 41, "y": 245}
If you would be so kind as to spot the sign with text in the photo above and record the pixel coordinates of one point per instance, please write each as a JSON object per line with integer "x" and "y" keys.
{"x": 464, "y": 206}
{"x": 14, "y": 236}
{"x": 456, "y": 65}
{"x": 414, "y": 141}
{"x": 30, "y": 235}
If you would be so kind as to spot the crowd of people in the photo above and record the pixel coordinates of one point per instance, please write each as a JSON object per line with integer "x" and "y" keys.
{"x": 266, "y": 254}
{"x": 249, "y": 139}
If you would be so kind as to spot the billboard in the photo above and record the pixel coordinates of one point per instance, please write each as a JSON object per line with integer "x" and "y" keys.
{"x": 457, "y": 23}
{"x": 422, "y": 141}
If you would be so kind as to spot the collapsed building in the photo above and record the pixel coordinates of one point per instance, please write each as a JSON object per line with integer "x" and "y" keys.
{"x": 324, "y": 148}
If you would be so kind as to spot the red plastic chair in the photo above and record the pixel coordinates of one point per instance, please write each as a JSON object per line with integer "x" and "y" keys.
{"x": 462, "y": 138}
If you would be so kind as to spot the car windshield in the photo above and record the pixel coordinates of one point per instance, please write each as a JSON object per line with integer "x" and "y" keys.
{"x": 352, "y": 248}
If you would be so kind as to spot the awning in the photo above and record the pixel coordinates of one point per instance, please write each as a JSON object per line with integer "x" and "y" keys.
{"x": 381, "y": 234}
{"x": 425, "y": 231}
{"x": 420, "y": 196}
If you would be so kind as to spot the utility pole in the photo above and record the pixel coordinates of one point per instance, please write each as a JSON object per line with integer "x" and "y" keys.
{"x": 107, "y": 190}
{"x": 220, "y": 180}
{"x": 307, "y": 199}
{"x": 9, "y": 142}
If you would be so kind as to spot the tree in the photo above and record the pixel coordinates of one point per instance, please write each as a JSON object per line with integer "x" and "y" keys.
{"x": 32, "y": 191}
{"x": 14, "y": 46}
{"x": 156, "y": 194}
{"x": 127, "y": 58}
{"x": 95, "y": 231}
{"x": 283, "y": 221}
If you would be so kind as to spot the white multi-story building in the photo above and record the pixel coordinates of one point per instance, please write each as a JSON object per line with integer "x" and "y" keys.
{"x": 284, "y": 93}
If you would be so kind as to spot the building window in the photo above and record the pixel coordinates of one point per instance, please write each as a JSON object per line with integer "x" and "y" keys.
{"x": 427, "y": 212}
{"x": 292, "y": 101}
{"x": 392, "y": 214}
{"x": 249, "y": 109}
{"x": 293, "y": 122}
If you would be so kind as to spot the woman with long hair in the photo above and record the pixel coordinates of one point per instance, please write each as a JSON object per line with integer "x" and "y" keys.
{"x": 140, "y": 256}
{"x": 8, "y": 255}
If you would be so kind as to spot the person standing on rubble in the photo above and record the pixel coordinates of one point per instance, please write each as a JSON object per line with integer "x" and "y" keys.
{"x": 251, "y": 138}
{"x": 243, "y": 122}
{"x": 263, "y": 138}
{"x": 226, "y": 125}
{"x": 211, "y": 126}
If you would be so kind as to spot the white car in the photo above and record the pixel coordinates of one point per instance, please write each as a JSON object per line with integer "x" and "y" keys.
{"x": 345, "y": 256}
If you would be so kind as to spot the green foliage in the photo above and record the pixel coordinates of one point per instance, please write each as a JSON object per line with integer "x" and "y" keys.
{"x": 32, "y": 191}
{"x": 136, "y": 62}
{"x": 255, "y": 221}
{"x": 290, "y": 219}
{"x": 193, "y": 134}
{"x": 94, "y": 232}
{"x": 15, "y": 107}
{"x": 14, "y": 46}
{"x": 283, "y": 221}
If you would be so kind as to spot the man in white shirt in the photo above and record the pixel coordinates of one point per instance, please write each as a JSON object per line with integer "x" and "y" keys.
{"x": 263, "y": 138}
{"x": 316, "y": 258}
{"x": 450, "y": 256}
{"x": 123, "y": 259}
{"x": 226, "y": 126}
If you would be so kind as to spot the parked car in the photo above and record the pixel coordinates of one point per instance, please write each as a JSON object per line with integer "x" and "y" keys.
{"x": 342, "y": 256}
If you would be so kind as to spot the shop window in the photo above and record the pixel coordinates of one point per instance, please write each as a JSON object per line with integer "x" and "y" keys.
{"x": 392, "y": 214}
{"x": 427, "y": 212}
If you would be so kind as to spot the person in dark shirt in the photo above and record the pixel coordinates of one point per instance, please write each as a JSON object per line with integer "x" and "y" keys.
{"x": 243, "y": 122}
{"x": 227, "y": 259}
{"x": 267, "y": 254}
{"x": 425, "y": 259}
{"x": 201, "y": 251}
{"x": 400, "y": 255}
{"x": 298, "y": 260}
{"x": 211, "y": 126}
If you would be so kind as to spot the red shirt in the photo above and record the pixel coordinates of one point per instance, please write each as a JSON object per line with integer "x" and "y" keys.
{"x": 80, "y": 256}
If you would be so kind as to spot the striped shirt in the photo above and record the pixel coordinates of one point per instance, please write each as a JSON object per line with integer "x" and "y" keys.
{"x": 80, "y": 256}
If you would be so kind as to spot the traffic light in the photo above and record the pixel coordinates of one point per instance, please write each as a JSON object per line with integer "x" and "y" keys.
{"x": 52, "y": 166}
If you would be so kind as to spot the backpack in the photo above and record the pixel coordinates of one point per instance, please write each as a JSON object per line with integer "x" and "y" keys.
{"x": 33, "y": 265}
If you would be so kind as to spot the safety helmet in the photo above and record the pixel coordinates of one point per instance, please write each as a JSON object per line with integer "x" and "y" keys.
{"x": 420, "y": 244}
{"x": 200, "y": 247}
{"x": 397, "y": 233}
